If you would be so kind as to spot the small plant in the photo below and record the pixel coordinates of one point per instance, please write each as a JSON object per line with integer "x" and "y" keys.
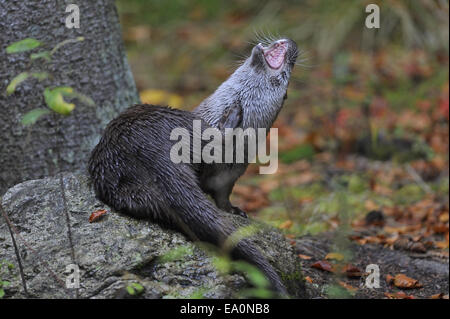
{"x": 4, "y": 267}
{"x": 135, "y": 289}
{"x": 53, "y": 96}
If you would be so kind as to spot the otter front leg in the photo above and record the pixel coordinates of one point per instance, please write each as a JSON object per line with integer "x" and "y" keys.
{"x": 218, "y": 181}
{"x": 222, "y": 199}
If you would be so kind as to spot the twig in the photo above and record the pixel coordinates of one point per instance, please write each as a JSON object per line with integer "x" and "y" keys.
{"x": 16, "y": 250}
{"x": 44, "y": 263}
{"x": 418, "y": 179}
{"x": 63, "y": 194}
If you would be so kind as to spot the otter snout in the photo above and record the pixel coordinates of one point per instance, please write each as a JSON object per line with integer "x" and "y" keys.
{"x": 275, "y": 55}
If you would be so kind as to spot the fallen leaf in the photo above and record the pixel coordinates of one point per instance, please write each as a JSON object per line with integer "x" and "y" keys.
{"x": 441, "y": 244}
{"x": 438, "y": 296}
{"x": 286, "y": 225}
{"x": 334, "y": 256}
{"x": 398, "y": 295}
{"x": 405, "y": 282}
{"x": 443, "y": 218}
{"x": 95, "y": 216}
{"x": 352, "y": 271}
{"x": 305, "y": 257}
{"x": 389, "y": 279}
{"x": 308, "y": 279}
{"x": 323, "y": 265}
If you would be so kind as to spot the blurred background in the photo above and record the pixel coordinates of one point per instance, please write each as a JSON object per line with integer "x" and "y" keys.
{"x": 365, "y": 126}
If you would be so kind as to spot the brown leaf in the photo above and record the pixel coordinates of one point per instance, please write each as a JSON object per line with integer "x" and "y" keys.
{"x": 305, "y": 257}
{"x": 352, "y": 271}
{"x": 323, "y": 265}
{"x": 308, "y": 279}
{"x": 389, "y": 279}
{"x": 95, "y": 216}
{"x": 438, "y": 296}
{"x": 405, "y": 282}
{"x": 286, "y": 225}
{"x": 398, "y": 295}
{"x": 441, "y": 244}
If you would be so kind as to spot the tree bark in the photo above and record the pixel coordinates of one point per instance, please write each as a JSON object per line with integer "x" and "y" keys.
{"x": 96, "y": 67}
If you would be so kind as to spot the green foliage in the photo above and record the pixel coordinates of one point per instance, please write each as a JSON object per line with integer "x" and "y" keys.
{"x": 32, "y": 116}
{"x": 54, "y": 97}
{"x": 356, "y": 184}
{"x": 238, "y": 235}
{"x": 23, "y": 45}
{"x": 15, "y": 82}
{"x": 22, "y": 77}
{"x": 304, "y": 151}
{"x": 4, "y": 268}
{"x": 55, "y": 100}
{"x": 337, "y": 292}
{"x": 198, "y": 293}
{"x": 254, "y": 275}
{"x": 135, "y": 289}
{"x": 176, "y": 254}
{"x": 41, "y": 55}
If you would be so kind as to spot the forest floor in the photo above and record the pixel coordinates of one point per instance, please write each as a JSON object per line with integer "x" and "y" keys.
{"x": 363, "y": 142}
{"x": 343, "y": 215}
{"x": 402, "y": 274}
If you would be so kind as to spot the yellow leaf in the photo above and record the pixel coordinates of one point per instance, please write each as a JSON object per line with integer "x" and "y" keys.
{"x": 161, "y": 97}
{"x": 334, "y": 256}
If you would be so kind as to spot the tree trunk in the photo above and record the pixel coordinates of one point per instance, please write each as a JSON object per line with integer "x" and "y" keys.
{"x": 96, "y": 67}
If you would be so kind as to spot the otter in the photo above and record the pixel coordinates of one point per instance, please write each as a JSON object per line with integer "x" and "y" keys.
{"x": 132, "y": 171}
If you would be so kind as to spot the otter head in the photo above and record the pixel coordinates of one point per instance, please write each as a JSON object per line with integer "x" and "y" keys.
{"x": 258, "y": 86}
{"x": 266, "y": 73}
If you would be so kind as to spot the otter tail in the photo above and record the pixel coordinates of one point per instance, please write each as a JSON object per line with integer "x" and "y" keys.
{"x": 195, "y": 215}
{"x": 181, "y": 204}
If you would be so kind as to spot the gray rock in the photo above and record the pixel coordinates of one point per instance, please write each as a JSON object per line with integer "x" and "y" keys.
{"x": 115, "y": 251}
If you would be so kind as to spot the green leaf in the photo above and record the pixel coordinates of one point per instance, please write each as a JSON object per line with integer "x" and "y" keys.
{"x": 55, "y": 101}
{"x": 32, "y": 116}
{"x": 23, "y": 45}
{"x": 41, "y": 55}
{"x": 2, "y": 293}
{"x": 22, "y": 77}
{"x": 137, "y": 287}
{"x": 255, "y": 276}
{"x": 40, "y": 75}
{"x": 130, "y": 290}
{"x": 16, "y": 81}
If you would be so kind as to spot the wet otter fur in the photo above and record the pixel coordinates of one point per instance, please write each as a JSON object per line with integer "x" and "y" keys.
{"x": 132, "y": 172}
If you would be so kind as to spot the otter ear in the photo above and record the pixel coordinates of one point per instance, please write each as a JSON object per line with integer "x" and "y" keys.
{"x": 231, "y": 117}
{"x": 257, "y": 58}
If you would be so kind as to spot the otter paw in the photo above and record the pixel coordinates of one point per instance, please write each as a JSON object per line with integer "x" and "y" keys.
{"x": 237, "y": 211}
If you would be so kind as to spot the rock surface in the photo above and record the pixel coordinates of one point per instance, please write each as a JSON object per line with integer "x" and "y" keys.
{"x": 115, "y": 251}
